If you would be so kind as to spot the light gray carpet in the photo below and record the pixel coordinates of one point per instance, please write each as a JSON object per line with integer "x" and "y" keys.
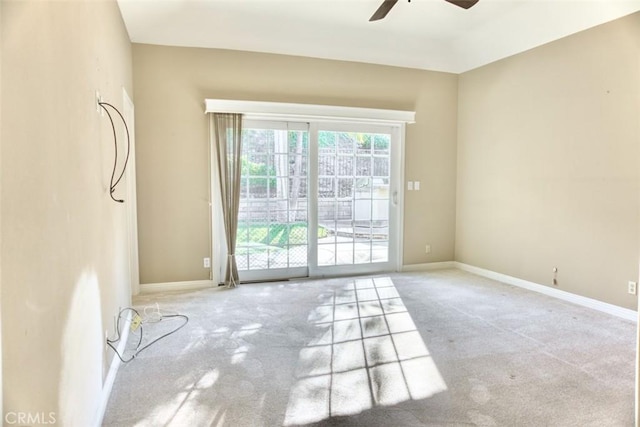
{"x": 442, "y": 348}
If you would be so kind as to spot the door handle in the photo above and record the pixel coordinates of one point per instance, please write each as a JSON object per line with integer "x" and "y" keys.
{"x": 395, "y": 198}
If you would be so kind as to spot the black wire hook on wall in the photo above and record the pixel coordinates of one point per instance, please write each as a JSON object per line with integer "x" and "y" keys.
{"x": 112, "y": 186}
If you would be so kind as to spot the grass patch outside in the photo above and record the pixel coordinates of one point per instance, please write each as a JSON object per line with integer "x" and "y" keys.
{"x": 278, "y": 235}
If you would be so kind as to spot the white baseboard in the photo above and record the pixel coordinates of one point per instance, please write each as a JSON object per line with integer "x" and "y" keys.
{"x": 614, "y": 310}
{"x": 149, "y": 288}
{"x": 113, "y": 370}
{"x": 429, "y": 266}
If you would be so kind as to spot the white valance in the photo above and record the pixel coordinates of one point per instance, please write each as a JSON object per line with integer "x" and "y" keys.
{"x": 258, "y": 110}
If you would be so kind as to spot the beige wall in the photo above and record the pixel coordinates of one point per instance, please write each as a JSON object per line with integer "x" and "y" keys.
{"x": 548, "y": 163}
{"x": 64, "y": 243}
{"x": 172, "y": 136}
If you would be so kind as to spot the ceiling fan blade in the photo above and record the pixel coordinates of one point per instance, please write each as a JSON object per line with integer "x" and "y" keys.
{"x": 465, "y": 4}
{"x": 382, "y": 11}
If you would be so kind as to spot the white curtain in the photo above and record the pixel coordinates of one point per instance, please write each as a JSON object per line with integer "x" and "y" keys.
{"x": 227, "y": 141}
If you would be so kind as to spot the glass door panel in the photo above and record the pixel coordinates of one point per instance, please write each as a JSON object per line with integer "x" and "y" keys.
{"x": 273, "y": 220}
{"x": 354, "y": 198}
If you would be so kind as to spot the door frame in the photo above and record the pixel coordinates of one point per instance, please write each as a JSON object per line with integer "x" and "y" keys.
{"x": 311, "y": 113}
{"x": 128, "y": 112}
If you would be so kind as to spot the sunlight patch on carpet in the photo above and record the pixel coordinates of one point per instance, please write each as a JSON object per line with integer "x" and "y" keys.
{"x": 367, "y": 353}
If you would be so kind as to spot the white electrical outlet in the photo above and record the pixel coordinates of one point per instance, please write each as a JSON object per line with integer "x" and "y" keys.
{"x": 427, "y": 249}
{"x": 207, "y": 262}
{"x": 632, "y": 288}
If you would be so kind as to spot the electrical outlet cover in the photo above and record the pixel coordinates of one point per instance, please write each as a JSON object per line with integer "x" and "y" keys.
{"x": 135, "y": 323}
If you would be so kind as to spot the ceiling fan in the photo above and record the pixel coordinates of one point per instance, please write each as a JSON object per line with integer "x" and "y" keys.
{"x": 386, "y": 6}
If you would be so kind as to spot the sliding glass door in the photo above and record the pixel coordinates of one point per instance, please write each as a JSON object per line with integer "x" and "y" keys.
{"x": 317, "y": 199}
{"x": 356, "y": 192}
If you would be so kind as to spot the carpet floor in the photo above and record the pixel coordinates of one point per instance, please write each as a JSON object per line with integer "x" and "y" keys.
{"x": 440, "y": 348}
